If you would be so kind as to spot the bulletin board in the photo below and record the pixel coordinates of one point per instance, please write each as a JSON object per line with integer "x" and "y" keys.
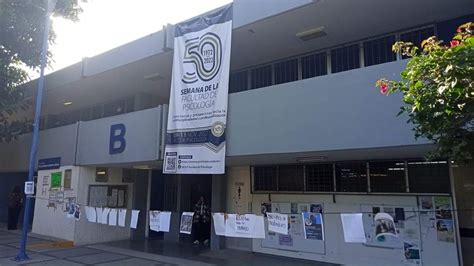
{"x": 112, "y": 196}
{"x": 295, "y": 240}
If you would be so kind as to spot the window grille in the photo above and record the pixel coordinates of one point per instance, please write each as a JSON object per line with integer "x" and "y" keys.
{"x": 379, "y": 51}
{"x": 319, "y": 177}
{"x": 261, "y": 77}
{"x": 314, "y": 65}
{"x": 97, "y": 112}
{"x": 291, "y": 178}
{"x": 238, "y": 81}
{"x": 387, "y": 176}
{"x": 345, "y": 58}
{"x": 265, "y": 178}
{"x": 429, "y": 177}
{"x": 286, "y": 71}
{"x": 351, "y": 177}
{"x": 115, "y": 108}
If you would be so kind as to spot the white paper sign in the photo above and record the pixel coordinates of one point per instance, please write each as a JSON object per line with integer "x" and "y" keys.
{"x": 353, "y": 227}
{"x": 91, "y": 215}
{"x": 160, "y": 221}
{"x": 259, "y": 227}
{"x": 277, "y": 222}
{"x": 29, "y": 187}
{"x": 219, "y": 223}
{"x": 105, "y": 214}
{"x": 122, "y": 214}
{"x": 245, "y": 224}
{"x": 134, "y": 219}
{"x": 99, "y": 214}
{"x": 186, "y": 223}
{"x": 197, "y": 117}
{"x": 113, "y": 217}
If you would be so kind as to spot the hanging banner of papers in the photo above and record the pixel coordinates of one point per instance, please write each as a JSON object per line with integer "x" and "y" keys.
{"x": 278, "y": 223}
{"x": 353, "y": 227}
{"x": 186, "y": 225}
{"x": 219, "y": 223}
{"x": 313, "y": 226}
{"x": 246, "y": 226}
{"x": 160, "y": 221}
{"x": 197, "y": 117}
{"x": 134, "y": 219}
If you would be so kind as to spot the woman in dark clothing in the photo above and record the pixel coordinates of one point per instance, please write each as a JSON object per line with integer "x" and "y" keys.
{"x": 15, "y": 203}
{"x": 202, "y": 222}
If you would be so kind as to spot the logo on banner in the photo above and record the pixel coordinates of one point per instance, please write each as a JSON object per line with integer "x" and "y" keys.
{"x": 205, "y": 56}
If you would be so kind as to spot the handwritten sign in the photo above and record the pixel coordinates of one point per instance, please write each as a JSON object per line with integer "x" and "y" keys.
{"x": 277, "y": 222}
{"x": 245, "y": 224}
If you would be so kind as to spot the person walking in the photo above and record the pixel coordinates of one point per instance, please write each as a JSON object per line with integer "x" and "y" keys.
{"x": 15, "y": 203}
{"x": 202, "y": 219}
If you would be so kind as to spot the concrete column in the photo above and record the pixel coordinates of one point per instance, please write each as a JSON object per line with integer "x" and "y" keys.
{"x": 218, "y": 204}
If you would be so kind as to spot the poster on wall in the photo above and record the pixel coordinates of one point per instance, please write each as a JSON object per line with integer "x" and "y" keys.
{"x": 265, "y": 207}
{"x": 313, "y": 226}
{"x": 277, "y": 223}
{"x": 245, "y": 224}
{"x": 197, "y": 117}
{"x": 186, "y": 224}
{"x": 56, "y": 179}
{"x": 412, "y": 253}
{"x": 444, "y": 219}
{"x": 353, "y": 227}
{"x": 384, "y": 225}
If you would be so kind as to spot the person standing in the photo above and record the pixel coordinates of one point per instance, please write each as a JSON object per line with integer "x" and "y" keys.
{"x": 202, "y": 219}
{"x": 15, "y": 203}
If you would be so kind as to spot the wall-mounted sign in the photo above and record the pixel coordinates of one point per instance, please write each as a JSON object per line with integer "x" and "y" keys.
{"x": 117, "y": 142}
{"x": 56, "y": 179}
{"x": 29, "y": 188}
{"x": 49, "y": 163}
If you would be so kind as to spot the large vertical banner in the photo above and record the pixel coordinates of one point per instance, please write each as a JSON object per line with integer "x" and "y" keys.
{"x": 195, "y": 138}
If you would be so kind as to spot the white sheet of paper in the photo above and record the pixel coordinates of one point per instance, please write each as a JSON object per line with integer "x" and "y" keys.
{"x": 113, "y": 217}
{"x": 155, "y": 218}
{"x": 105, "y": 214}
{"x": 277, "y": 222}
{"x": 353, "y": 227}
{"x": 122, "y": 214}
{"x": 245, "y": 224}
{"x": 219, "y": 223}
{"x": 259, "y": 231}
{"x": 90, "y": 214}
{"x": 186, "y": 224}
{"x": 134, "y": 219}
{"x": 165, "y": 218}
{"x": 99, "y": 214}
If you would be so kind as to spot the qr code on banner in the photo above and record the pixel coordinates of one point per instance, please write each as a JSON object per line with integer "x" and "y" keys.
{"x": 170, "y": 163}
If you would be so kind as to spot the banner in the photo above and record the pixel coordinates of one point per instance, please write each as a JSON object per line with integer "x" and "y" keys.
{"x": 277, "y": 223}
{"x": 195, "y": 136}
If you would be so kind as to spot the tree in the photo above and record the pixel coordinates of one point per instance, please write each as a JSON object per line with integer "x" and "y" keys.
{"x": 22, "y": 24}
{"x": 438, "y": 92}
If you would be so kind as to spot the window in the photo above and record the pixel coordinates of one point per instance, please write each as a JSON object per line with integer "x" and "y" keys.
{"x": 286, "y": 71}
{"x": 265, "y": 178}
{"x": 238, "y": 81}
{"x": 97, "y": 112}
{"x": 290, "y": 178}
{"x": 261, "y": 77}
{"x": 351, "y": 177}
{"x": 86, "y": 114}
{"x": 429, "y": 177}
{"x": 319, "y": 177}
{"x": 115, "y": 108}
{"x": 379, "y": 51}
{"x": 345, "y": 58}
{"x": 71, "y": 117}
{"x": 314, "y": 65}
{"x": 387, "y": 176}
{"x": 417, "y": 36}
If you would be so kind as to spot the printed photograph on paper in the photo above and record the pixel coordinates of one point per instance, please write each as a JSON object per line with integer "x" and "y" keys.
{"x": 443, "y": 208}
{"x": 445, "y": 230}
{"x": 186, "y": 223}
{"x": 384, "y": 225}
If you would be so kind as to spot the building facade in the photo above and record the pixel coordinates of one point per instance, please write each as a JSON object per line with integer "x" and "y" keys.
{"x": 305, "y": 126}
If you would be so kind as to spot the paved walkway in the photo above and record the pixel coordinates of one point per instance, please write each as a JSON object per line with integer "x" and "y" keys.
{"x": 133, "y": 253}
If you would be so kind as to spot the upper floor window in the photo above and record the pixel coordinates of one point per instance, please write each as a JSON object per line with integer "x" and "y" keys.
{"x": 379, "y": 51}
{"x": 261, "y": 77}
{"x": 314, "y": 65}
{"x": 286, "y": 71}
{"x": 345, "y": 58}
{"x": 319, "y": 177}
{"x": 290, "y": 178}
{"x": 238, "y": 81}
{"x": 265, "y": 178}
{"x": 429, "y": 177}
{"x": 417, "y": 36}
{"x": 351, "y": 177}
{"x": 387, "y": 176}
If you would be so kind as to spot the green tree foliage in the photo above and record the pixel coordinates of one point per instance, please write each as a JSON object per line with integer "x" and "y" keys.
{"x": 22, "y": 24}
{"x": 438, "y": 92}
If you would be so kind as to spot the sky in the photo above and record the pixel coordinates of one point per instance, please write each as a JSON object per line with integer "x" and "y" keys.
{"x": 106, "y": 24}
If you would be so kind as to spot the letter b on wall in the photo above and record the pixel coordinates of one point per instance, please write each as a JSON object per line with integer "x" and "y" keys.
{"x": 117, "y": 139}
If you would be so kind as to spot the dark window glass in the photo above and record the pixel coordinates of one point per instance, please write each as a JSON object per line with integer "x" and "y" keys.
{"x": 71, "y": 117}
{"x": 429, "y": 177}
{"x": 131, "y": 105}
{"x": 238, "y": 81}
{"x": 319, "y": 177}
{"x": 261, "y": 77}
{"x": 115, "y": 108}
{"x": 314, "y": 65}
{"x": 286, "y": 71}
{"x": 379, "y": 51}
{"x": 54, "y": 121}
{"x": 345, "y": 58}
{"x": 417, "y": 36}
{"x": 351, "y": 177}
{"x": 86, "y": 114}
{"x": 387, "y": 176}
{"x": 265, "y": 178}
{"x": 290, "y": 178}
{"x": 97, "y": 112}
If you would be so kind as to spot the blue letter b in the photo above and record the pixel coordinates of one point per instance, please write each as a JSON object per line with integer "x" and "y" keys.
{"x": 117, "y": 139}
